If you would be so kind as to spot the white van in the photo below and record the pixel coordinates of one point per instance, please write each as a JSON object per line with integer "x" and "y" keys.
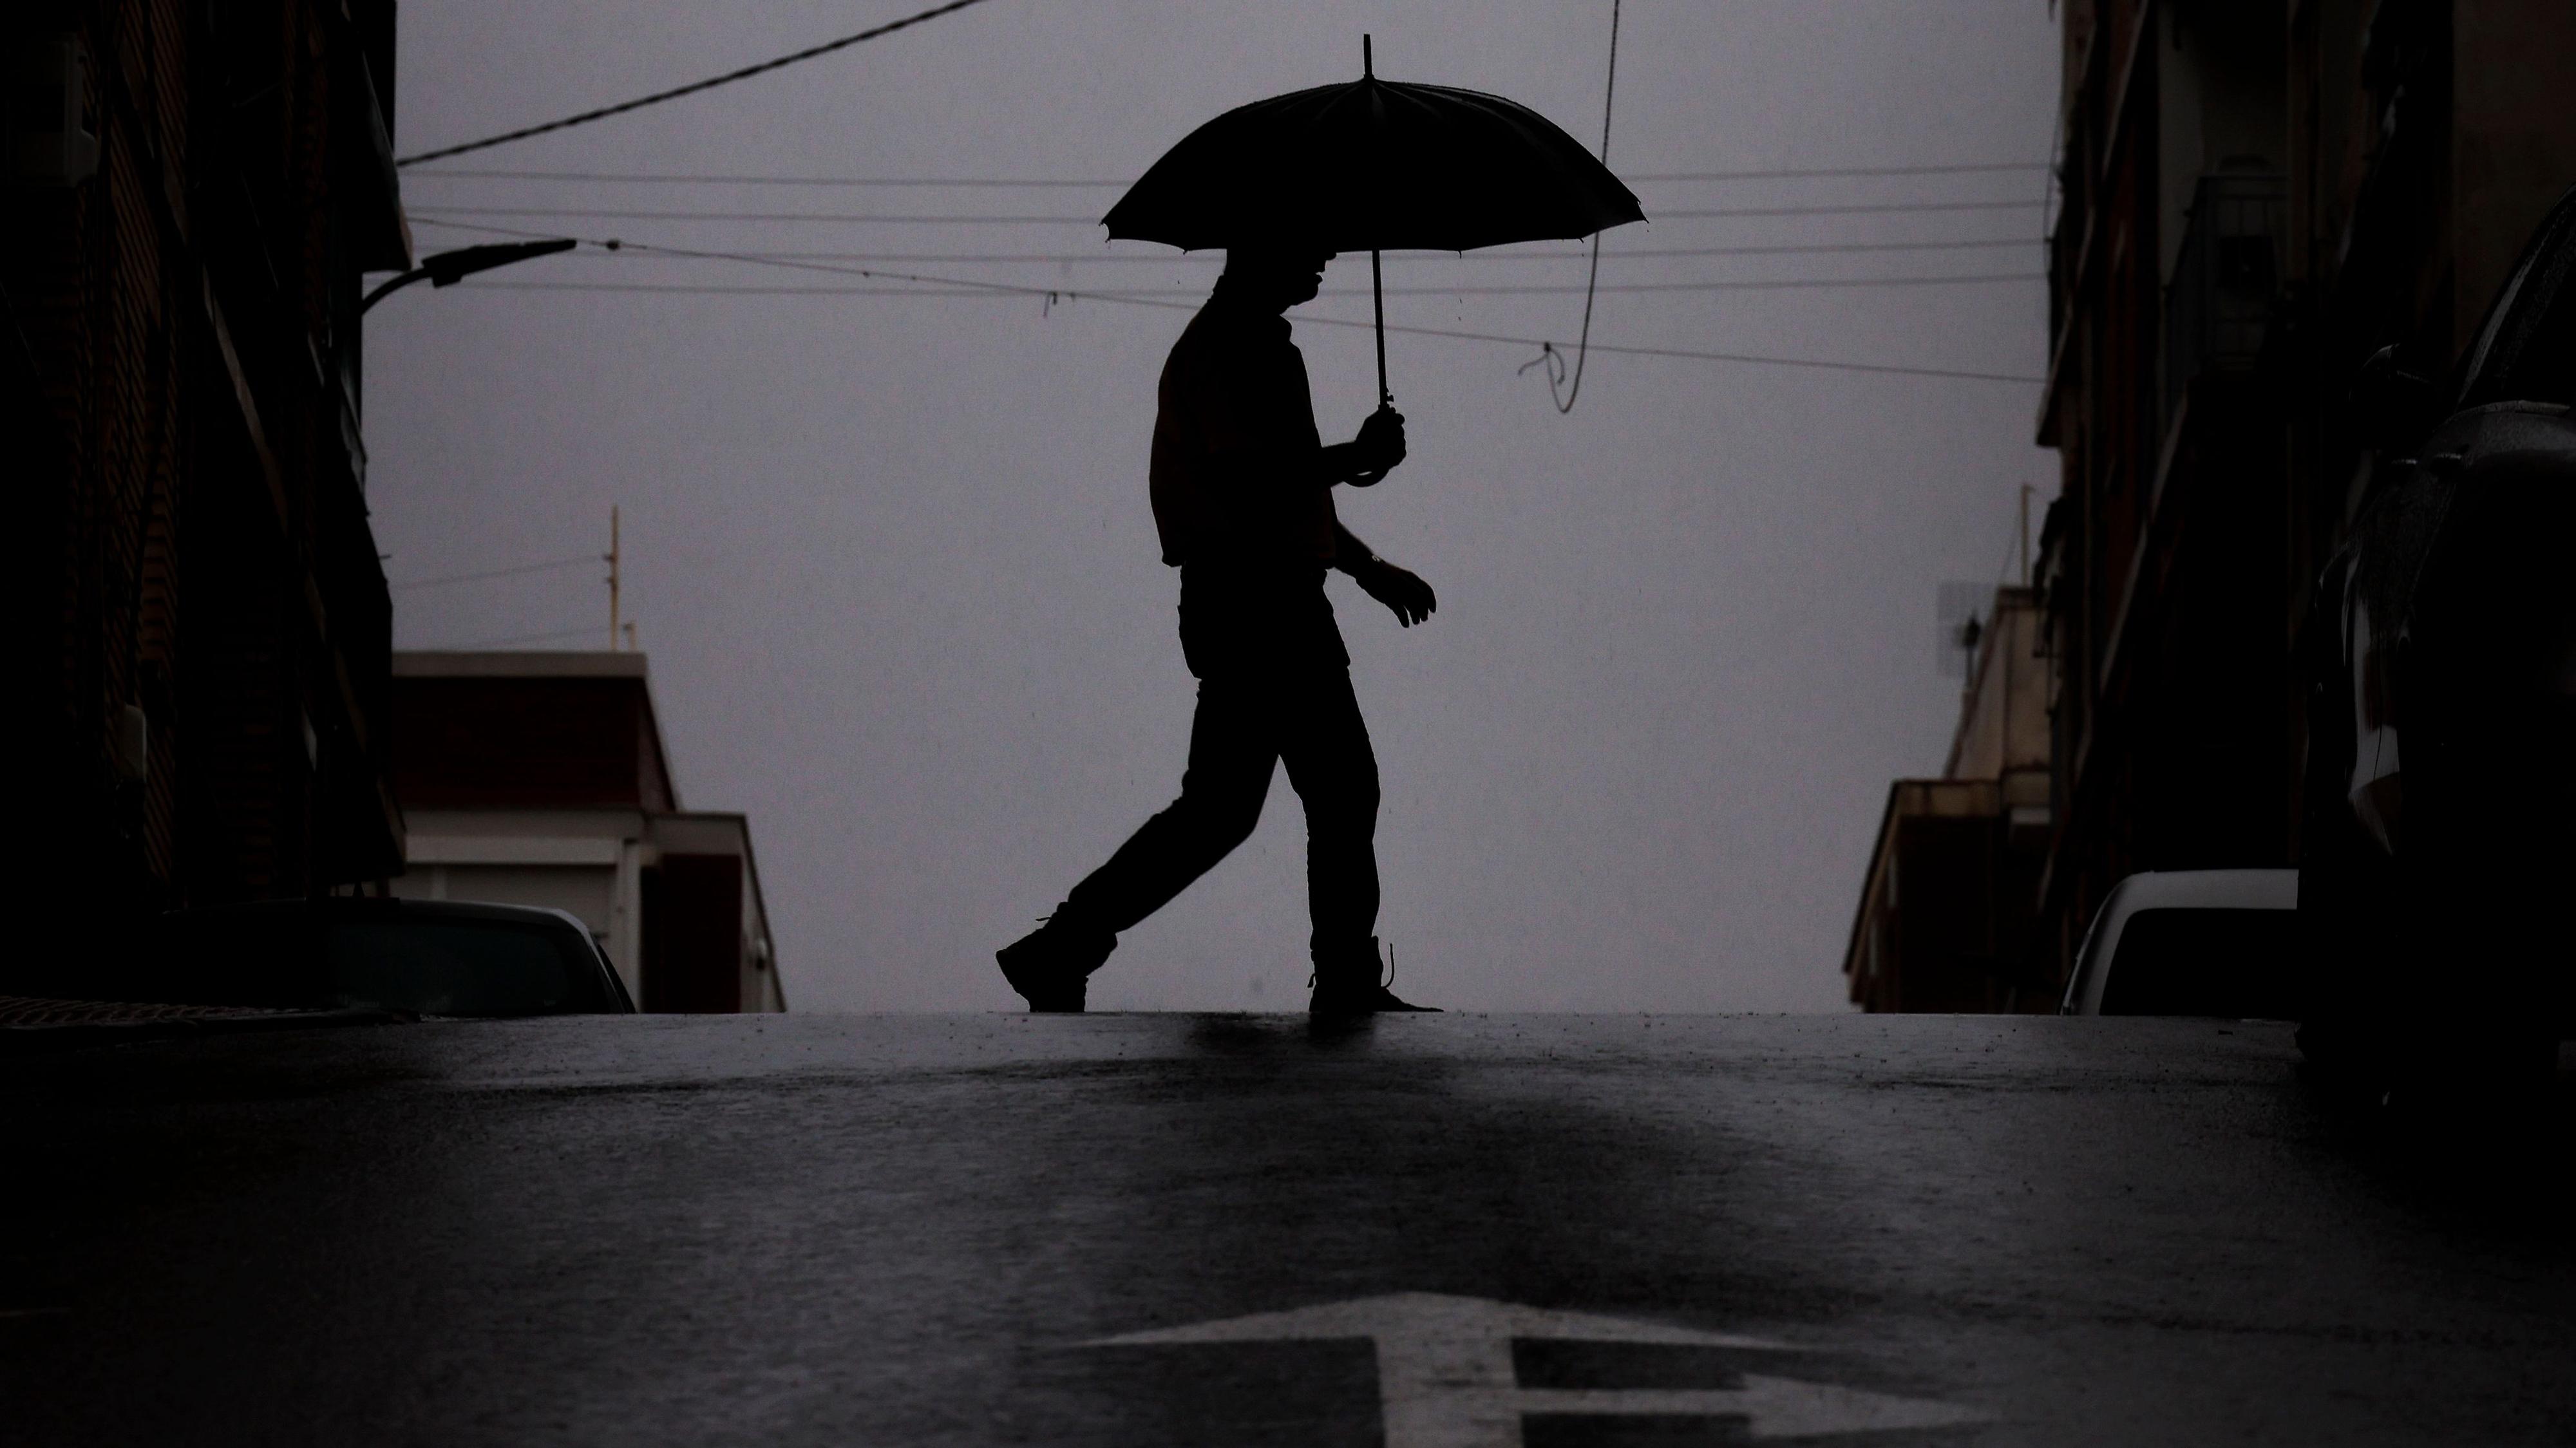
{"x": 2192, "y": 943}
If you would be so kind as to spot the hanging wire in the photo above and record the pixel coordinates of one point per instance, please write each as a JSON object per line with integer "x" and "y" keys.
{"x": 534, "y": 638}
{"x": 484, "y": 575}
{"x": 675, "y": 92}
{"x": 873, "y": 218}
{"x": 1444, "y": 257}
{"x": 737, "y": 178}
{"x": 970, "y": 286}
{"x": 1120, "y": 293}
{"x": 1547, "y": 353}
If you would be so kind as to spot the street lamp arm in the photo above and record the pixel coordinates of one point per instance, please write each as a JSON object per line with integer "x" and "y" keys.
{"x": 395, "y": 285}
{"x": 450, "y": 267}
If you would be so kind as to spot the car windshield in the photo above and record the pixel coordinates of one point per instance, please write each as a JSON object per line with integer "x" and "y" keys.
{"x": 2526, "y": 352}
{"x": 2205, "y": 962}
{"x": 457, "y": 968}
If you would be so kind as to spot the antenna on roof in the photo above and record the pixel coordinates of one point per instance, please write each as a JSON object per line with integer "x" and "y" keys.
{"x": 610, "y": 557}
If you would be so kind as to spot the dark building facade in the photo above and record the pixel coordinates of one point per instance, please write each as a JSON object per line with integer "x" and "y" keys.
{"x": 198, "y": 627}
{"x": 1948, "y": 903}
{"x": 2257, "y": 195}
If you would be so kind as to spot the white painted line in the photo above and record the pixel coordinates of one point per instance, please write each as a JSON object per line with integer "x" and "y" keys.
{"x": 1445, "y": 1375}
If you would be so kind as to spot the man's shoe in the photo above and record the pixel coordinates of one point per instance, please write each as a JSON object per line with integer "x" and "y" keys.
{"x": 1352, "y": 983}
{"x": 1368, "y": 1000}
{"x": 1051, "y": 965}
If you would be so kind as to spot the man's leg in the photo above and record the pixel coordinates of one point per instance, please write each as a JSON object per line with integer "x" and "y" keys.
{"x": 1326, "y": 746}
{"x": 1232, "y": 750}
{"x": 1233, "y": 746}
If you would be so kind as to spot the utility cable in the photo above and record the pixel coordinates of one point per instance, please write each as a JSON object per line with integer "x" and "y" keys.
{"x": 1130, "y": 293}
{"x": 1124, "y": 259}
{"x": 1214, "y": 259}
{"x": 1547, "y": 355}
{"x": 1053, "y": 295}
{"x": 535, "y": 638}
{"x": 1017, "y": 219}
{"x": 710, "y": 83}
{"x": 977, "y": 286}
{"x": 604, "y": 214}
{"x": 986, "y": 289}
{"x": 1814, "y": 172}
{"x": 549, "y": 566}
{"x": 739, "y": 179}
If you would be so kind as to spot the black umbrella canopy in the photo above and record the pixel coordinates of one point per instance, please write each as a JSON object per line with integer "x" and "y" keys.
{"x": 1372, "y": 165}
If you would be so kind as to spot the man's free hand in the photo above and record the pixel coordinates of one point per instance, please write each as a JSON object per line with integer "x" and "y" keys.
{"x": 1402, "y": 591}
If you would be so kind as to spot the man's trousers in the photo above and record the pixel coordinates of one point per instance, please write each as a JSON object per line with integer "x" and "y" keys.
{"x": 1302, "y": 713}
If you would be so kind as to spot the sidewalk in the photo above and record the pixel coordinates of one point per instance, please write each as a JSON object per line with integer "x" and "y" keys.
{"x": 34, "y": 1021}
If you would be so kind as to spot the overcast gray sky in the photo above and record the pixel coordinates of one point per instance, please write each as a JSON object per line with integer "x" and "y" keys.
{"x": 892, "y": 560}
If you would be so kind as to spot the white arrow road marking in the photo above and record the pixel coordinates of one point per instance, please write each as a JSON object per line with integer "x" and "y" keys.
{"x": 1445, "y": 1378}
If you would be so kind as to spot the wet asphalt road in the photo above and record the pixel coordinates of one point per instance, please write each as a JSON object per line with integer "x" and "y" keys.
{"x": 1473, "y": 1231}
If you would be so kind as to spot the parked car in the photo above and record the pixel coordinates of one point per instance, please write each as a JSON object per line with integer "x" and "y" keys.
{"x": 2439, "y": 811}
{"x": 2192, "y": 943}
{"x": 421, "y": 957}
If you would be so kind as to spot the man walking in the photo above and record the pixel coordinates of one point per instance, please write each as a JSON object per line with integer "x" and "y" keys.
{"x": 1242, "y": 493}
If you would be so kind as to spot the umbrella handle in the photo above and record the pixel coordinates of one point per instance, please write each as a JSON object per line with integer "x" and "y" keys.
{"x": 1377, "y": 293}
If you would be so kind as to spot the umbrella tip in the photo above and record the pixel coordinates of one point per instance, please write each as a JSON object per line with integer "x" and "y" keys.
{"x": 1368, "y": 61}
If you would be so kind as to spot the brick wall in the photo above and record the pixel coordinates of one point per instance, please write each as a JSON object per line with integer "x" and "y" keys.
{"x": 189, "y": 537}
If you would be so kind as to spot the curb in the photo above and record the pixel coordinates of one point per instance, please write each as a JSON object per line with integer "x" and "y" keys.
{"x": 101, "y": 1023}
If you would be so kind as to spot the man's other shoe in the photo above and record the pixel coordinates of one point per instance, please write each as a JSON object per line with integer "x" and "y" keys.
{"x": 1352, "y": 983}
{"x": 1051, "y": 965}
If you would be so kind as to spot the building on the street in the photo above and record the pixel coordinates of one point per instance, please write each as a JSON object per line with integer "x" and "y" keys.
{"x": 2255, "y": 196}
{"x": 542, "y": 779}
{"x": 1951, "y": 893}
{"x": 198, "y": 629}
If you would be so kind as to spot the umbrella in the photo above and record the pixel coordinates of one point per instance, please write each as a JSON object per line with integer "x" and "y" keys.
{"x": 1374, "y": 165}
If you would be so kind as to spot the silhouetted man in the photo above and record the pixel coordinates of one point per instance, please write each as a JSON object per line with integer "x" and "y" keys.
{"x": 1243, "y": 498}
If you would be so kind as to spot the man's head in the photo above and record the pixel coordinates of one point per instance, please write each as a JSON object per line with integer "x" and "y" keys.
{"x": 1277, "y": 274}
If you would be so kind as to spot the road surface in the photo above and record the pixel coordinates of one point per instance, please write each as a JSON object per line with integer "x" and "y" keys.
{"x": 1438, "y": 1232}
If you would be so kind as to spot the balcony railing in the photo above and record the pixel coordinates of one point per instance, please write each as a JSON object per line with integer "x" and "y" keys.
{"x": 2225, "y": 287}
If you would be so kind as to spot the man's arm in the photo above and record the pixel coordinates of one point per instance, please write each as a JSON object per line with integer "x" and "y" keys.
{"x": 1360, "y": 462}
{"x": 1405, "y": 594}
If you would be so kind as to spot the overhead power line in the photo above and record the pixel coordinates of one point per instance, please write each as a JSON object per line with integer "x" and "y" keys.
{"x": 1035, "y": 220}
{"x": 658, "y": 178}
{"x": 1109, "y": 258}
{"x": 548, "y": 566}
{"x": 978, "y": 287}
{"x": 1807, "y": 172}
{"x": 1887, "y": 369}
{"x": 1003, "y": 182}
{"x": 1208, "y": 259}
{"x": 710, "y": 83}
{"x": 534, "y": 638}
{"x": 1130, "y": 293}
{"x": 965, "y": 286}
{"x": 444, "y": 209}
{"x": 1349, "y": 322}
